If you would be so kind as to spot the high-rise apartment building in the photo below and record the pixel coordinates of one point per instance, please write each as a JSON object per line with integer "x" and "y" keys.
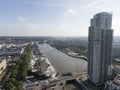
{"x": 100, "y": 48}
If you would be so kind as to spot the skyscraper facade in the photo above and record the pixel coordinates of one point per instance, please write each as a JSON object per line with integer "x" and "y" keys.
{"x": 100, "y": 48}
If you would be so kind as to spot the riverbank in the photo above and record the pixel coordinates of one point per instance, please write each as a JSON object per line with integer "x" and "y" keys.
{"x": 76, "y": 56}
{"x": 71, "y": 55}
{"x": 50, "y": 70}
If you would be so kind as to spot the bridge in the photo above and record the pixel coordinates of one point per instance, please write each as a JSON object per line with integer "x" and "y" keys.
{"x": 68, "y": 78}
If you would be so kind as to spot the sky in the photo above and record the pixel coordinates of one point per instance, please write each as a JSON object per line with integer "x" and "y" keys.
{"x": 54, "y": 17}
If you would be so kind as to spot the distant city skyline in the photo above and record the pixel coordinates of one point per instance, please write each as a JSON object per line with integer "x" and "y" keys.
{"x": 53, "y": 17}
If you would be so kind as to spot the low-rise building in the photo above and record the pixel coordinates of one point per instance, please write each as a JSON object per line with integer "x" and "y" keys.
{"x": 116, "y": 70}
{"x": 2, "y": 64}
{"x": 113, "y": 84}
{"x": 14, "y": 50}
{"x": 39, "y": 65}
{"x": 32, "y": 86}
{"x": 38, "y": 60}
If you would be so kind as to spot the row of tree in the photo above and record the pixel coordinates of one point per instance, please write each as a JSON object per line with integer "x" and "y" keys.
{"x": 19, "y": 72}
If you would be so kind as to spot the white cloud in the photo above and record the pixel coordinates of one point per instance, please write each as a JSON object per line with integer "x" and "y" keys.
{"x": 69, "y": 12}
{"x": 96, "y": 4}
{"x": 32, "y": 28}
{"x": 21, "y": 19}
{"x": 51, "y": 3}
{"x": 64, "y": 22}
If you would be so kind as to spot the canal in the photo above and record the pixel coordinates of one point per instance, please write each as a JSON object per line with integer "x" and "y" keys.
{"x": 62, "y": 62}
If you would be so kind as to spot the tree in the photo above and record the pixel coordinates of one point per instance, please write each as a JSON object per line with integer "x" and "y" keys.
{"x": 12, "y": 80}
{"x": 9, "y": 86}
{"x": 20, "y": 85}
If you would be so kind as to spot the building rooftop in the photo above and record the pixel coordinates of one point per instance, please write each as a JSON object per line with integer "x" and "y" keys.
{"x": 117, "y": 79}
{"x": 104, "y": 13}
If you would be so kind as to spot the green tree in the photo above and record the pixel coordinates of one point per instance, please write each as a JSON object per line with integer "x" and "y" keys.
{"x": 20, "y": 85}
{"x": 9, "y": 86}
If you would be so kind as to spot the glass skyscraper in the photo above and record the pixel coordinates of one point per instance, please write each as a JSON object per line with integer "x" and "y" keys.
{"x": 100, "y": 48}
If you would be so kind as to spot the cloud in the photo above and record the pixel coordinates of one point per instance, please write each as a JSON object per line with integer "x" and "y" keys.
{"x": 32, "y": 27}
{"x": 96, "y": 4}
{"x": 64, "y": 22}
{"x": 70, "y": 12}
{"x": 51, "y": 3}
{"x": 21, "y": 19}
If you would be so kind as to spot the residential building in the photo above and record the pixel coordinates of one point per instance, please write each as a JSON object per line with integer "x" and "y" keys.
{"x": 32, "y": 86}
{"x": 100, "y": 48}
{"x": 113, "y": 84}
{"x": 116, "y": 70}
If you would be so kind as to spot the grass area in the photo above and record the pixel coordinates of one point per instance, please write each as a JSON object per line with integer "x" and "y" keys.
{"x": 71, "y": 86}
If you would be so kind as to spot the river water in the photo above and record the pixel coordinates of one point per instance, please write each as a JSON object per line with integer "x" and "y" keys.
{"x": 62, "y": 62}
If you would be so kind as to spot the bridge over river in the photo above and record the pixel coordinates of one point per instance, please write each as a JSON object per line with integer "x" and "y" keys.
{"x": 69, "y": 78}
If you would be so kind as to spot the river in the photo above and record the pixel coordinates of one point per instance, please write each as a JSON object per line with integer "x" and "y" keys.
{"x": 62, "y": 62}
